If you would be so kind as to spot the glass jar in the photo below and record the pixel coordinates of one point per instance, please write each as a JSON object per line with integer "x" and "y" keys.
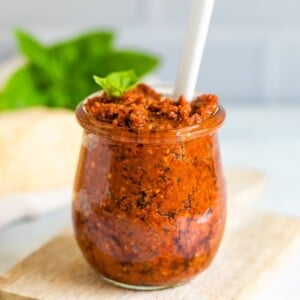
{"x": 149, "y": 209}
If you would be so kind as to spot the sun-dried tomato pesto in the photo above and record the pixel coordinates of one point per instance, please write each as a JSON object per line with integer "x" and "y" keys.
{"x": 149, "y": 204}
{"x": 144, "y": 109}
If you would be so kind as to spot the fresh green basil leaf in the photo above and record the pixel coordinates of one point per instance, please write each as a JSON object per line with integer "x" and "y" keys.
{"x": 117, "y": 83}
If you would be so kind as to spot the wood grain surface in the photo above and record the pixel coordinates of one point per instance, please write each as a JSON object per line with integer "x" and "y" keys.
{"x": 257, "y": 243}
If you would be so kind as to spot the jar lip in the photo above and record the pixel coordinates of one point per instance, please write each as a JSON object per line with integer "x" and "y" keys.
{"x": 92, "y": 125}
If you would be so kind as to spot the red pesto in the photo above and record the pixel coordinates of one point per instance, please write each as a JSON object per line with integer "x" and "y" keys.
{"x": 149, "y": 203}
{"x": 144, "y": 109}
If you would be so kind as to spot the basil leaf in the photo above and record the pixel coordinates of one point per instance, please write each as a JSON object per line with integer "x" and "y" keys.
{"x": 31, "y": 48}
{"x": 118, "y": 60}
{"x": 59, "y": 75}
{"x": 117, "y": 83}
{"x": 20, "y": 91}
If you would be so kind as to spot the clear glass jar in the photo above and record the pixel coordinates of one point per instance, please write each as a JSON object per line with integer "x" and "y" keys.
{"x": 149, "y": 209}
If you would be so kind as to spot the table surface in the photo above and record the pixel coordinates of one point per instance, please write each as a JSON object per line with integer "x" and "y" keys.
{"x": 263, "y": 138}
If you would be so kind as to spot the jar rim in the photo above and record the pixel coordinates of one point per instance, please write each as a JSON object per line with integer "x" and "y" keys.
{"x": 94, "y": 126}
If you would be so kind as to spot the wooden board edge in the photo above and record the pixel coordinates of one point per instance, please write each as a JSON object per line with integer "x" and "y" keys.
{"x": 276, "y": 263}
{"x": 12, "y": 296}
{"x": 8, "y": 276}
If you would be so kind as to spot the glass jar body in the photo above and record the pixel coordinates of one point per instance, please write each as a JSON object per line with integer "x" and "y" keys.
{"x": 149, "y": 214}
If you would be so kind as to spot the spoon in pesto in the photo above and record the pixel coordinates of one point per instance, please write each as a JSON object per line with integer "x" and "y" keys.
{"x": 193, "y": 48}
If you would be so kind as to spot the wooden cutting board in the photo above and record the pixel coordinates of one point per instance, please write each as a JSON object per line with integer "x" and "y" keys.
{"x": 255, "y": 243}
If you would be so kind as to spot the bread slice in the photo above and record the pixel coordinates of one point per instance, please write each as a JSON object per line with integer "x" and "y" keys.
{"x": 39, "y": 149}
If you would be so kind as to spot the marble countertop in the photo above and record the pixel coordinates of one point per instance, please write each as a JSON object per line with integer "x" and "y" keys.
{"x": 262, "y": 138}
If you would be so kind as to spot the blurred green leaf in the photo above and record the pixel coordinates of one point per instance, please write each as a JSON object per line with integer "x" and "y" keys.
{"x": 118, "y": 60}
{"x": 31, "y": 48}
{"x": 20, "y": 91}
{"x": 61, "y": 75}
